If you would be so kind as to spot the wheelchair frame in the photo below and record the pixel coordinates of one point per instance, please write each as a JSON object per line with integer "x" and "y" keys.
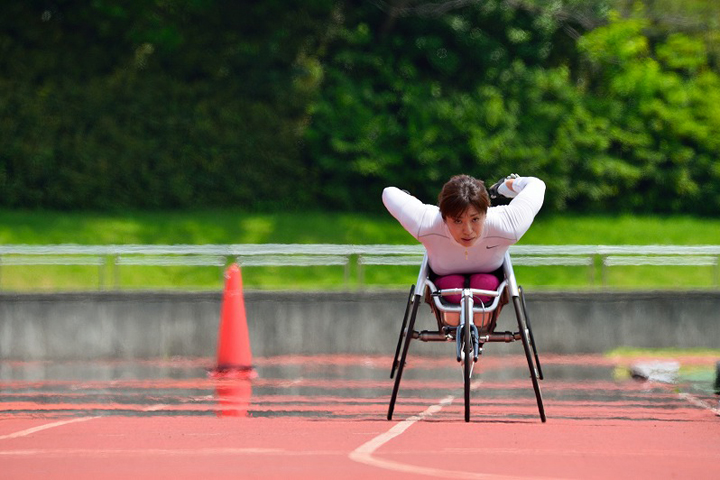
{"x": 470, "y": 335}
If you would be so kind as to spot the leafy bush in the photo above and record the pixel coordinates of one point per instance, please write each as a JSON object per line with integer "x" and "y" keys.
{"x": 611, "y": 122}
{"x": 152, "y": 104}
{"x": 320, "y": 104}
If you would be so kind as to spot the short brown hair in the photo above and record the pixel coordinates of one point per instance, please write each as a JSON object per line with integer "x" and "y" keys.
{"x": 460, "y": 192}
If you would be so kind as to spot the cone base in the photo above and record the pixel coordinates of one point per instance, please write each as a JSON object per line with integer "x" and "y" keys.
{"x": 232, "y": 371}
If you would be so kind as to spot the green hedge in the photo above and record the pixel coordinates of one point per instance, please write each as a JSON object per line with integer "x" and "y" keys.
{"x": 319, "y": 104}
{"x": 151, "y": 104}
{"x": 613, "y": 121}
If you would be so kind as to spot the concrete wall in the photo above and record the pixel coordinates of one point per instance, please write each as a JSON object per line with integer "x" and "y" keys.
{"x": 150, "y": 325}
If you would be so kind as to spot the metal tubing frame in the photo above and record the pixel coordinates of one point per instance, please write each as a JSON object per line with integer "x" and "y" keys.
{"x": 401, "y": 364}
{"x": 523, "y": 334}
{"x": 469, "y": 350}
{"x": 396, "y": 360}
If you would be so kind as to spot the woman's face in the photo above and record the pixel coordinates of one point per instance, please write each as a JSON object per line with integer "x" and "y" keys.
{"x": 466, "y": 228}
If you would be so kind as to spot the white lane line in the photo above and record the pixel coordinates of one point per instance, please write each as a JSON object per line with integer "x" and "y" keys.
{"x": 30, "y": 431}
{"x": 276, "y": 452}
{"x": 364, "y": 453}
{"x": 699, "y": 402}
{"x": 155, "y": 408}
{"x": 152, "y": 452}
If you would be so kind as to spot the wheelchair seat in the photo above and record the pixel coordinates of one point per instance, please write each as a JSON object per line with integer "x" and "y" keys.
{"x": 448, "y": 313}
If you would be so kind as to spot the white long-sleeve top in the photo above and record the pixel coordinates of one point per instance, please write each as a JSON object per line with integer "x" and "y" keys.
{"x": 504, "y": 225}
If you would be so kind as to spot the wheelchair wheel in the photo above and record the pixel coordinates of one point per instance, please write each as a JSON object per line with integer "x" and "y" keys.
{"x": 408, "y": 335}
{"x": 468, "y": 351}
{"x": 532, "y": 338}
{"x": 402, "y": 330}
{"x": 519, "y": 313}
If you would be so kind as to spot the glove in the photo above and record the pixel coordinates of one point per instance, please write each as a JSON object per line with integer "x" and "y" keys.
{"x": 499, "y": 193}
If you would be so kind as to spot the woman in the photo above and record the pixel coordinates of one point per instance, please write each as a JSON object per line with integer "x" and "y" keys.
{"x": 465, "y": 237}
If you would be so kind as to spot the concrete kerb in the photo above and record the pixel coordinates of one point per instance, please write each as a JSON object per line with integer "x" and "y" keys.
{"x": 132, "y": 325}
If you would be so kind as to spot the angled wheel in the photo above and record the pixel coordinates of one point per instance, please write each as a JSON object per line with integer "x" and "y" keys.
{"x": 408, "y": 335}
{"x": 402, "y": 330}
{"x": 528, "y": 355}
{"x": 532, "y": 338}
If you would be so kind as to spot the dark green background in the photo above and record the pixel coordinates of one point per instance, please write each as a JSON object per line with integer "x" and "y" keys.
{"x": 319, "y": 104}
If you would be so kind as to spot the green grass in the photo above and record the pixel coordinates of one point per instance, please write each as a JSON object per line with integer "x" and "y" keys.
{"x": 197, "y": 227}
{"x": 236, "y": 226}
{"x": 632, "y": 352}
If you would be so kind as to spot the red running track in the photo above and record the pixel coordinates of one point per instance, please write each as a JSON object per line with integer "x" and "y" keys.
{"x": 324, "y": 417}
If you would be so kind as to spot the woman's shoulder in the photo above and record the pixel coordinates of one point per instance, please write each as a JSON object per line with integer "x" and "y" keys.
{"x": 395, "y": 198}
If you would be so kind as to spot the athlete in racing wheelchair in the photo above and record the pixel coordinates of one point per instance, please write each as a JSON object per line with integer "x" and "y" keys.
{"x": 467, "y": 275}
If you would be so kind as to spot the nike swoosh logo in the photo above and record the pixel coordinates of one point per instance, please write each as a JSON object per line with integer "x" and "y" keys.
{"x": 489, "y": 246}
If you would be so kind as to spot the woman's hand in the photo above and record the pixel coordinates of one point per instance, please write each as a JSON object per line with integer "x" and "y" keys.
{"x": 502, "y": 191}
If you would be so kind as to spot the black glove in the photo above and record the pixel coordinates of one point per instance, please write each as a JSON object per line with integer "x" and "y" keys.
{"x": 496, "y": 198}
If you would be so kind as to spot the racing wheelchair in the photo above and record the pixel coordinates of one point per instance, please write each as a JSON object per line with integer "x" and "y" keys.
{"x": 470, "y": 325}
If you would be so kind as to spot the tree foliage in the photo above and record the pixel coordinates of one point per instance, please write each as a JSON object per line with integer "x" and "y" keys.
{"x": 614, "y": 120}
{"x": 321, "y": 103}
{"x": 661, "y": 106}
{"x": 150, "y": 104}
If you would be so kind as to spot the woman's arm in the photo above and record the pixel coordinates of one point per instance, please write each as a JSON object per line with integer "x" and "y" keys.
{"x": 408, "y": 210}
{"x": 528, "y": 194}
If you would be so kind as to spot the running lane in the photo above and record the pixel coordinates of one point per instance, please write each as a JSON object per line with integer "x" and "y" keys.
{"x": 320, "y": 417}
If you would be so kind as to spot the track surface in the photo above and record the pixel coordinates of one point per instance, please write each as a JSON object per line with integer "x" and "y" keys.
{"x": 324, "y": 417}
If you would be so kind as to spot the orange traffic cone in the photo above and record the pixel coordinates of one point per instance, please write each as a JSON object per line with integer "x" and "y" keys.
{"x": 234, "y": 357}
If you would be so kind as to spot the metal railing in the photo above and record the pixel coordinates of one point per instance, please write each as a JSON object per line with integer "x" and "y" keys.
{"x": 109, "y": 259}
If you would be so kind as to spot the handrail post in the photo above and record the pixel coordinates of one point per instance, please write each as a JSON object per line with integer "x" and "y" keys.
{"x": 346, "y": 272}
{"x": 360, "y": 272}
{"x": 116, "y": 271}
{"x": 101, "y": 271}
